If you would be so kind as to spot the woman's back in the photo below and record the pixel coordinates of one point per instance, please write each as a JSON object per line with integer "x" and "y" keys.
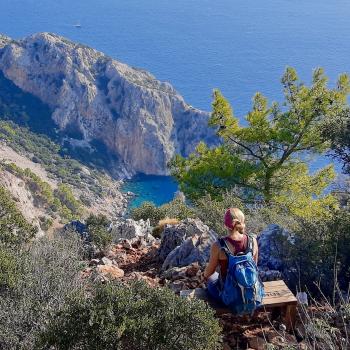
{"x": 235, "y": 246}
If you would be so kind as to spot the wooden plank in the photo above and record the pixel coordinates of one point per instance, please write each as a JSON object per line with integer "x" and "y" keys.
{"x": 277, "y": 293}
{"x": 271, "y": 284}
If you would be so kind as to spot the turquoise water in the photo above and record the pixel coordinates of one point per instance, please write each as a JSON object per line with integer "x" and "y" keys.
{"x": 239, "y": 46}
{"x": 156, "y": 189}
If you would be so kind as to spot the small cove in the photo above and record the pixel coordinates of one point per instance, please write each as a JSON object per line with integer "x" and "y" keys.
{"x": 153, "y": 188}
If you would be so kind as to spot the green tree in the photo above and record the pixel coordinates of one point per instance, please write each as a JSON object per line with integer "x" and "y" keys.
{"x": 263, "y": 159}
{"x": 337, "y": 131}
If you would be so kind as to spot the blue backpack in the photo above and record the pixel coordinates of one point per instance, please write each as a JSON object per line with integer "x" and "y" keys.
{"x": 242, "y": 290}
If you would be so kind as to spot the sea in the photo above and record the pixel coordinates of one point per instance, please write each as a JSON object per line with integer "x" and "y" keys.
{"x": 238, "y": 46}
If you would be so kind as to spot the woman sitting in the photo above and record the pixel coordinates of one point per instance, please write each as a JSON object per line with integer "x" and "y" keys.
{"x": 236, "y": 241}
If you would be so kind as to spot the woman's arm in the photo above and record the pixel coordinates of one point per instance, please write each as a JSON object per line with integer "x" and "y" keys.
{"x": 213, "y": 261}
{"x": 256, "y": 251}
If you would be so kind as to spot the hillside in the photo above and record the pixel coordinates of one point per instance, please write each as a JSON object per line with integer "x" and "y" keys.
{"x": 97, "y": 101}
{"x": 51, "y": 189}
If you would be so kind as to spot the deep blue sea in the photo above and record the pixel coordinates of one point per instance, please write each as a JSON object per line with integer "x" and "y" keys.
{"x": 239, "y": 46}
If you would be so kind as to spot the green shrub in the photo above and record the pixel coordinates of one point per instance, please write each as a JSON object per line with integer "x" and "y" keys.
{"x": 14, "y": 229}
{"x": 101, "y": 237}
{"x": 97, "y": 220}
{"x": 8, "y": 269}
{"x": 71, "y": 208}
{"x": 98, "y": 228}
{"x": 132, "y": 317}
{"x": 47, "y": 272}
{"x": 175, "y": 209}
{"x": 211, "y": 211}
{"x": 319, "y": 254}
{"x": 148, "y": 210}
{"x": 178, "y": 209}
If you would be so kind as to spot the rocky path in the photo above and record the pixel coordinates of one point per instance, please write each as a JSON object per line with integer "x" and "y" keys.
{"x": 142, "y": 263}
{"x": 177, "y": 261}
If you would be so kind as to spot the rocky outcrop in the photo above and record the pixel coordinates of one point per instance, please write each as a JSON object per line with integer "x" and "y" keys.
{"x": 140, "y": 120}
{"x": 271, "y": 266}
{"x": 4, "y": 40}
{"x": 185, "y": 243}
{"x": 130, "y": 229}
{"x": 109, "y": 272}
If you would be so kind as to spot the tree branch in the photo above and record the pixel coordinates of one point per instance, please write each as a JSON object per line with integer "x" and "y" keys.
{"x": 249, "y": 150}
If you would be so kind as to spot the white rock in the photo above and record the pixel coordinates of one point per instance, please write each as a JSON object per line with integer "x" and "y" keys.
{"x": 140, "y": 120}
{"x": 185, "y": 243}
{"x": 130, "y": 229}
{"x": 107, "y": 261}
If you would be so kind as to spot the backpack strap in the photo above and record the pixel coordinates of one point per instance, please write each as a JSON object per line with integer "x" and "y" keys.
{"x": 224, "y": 247}
{"x": 250, "y": 245}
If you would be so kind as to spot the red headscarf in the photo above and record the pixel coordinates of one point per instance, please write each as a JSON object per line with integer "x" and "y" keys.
{"x": 229, "y": 220}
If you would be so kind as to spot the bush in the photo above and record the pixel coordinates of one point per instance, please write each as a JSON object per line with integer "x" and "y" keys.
{"x": 325, "y": 325}
{"x": 178, "y": 209}
{"x": 14, "y": 229}
{"x": 71, "y": 207}
{"x": 46, "y": 151}
{"x": 132, "y": 317}
{"x": 47, "y": 273}
{"x": 99, "y": 232}
{"x": 97, "y": 220}
{"x": 148, "y": 210}
{"x": 211, "y": 211}
{"x": 319, "y": 253}
{"x": 8, "y": 270}
{"x": 158, "y": 230}
{"x": 101, "y": 237}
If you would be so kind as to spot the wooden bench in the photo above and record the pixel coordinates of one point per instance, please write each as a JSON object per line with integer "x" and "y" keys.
{"x": 278, "y": 299}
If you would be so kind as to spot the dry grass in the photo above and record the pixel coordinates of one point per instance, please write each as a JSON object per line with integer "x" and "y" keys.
{"x": 157, "y": 231}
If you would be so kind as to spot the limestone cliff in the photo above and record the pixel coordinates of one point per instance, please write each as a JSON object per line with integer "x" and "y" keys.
{"x": 141, "y": 121}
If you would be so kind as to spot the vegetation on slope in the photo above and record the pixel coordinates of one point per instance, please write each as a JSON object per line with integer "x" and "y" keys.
{"x": 60, "y": 200}
{"x": 133, "y": 317}
{"x": 46, "y": 273}
{"x": 14, "y": 229}
{"x": 42, "y": 150}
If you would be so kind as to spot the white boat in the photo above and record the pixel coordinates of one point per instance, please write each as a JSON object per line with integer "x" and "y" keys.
{"x": 77, "y": 25}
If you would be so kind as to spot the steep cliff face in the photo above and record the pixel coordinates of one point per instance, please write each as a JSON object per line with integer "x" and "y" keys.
{"x": 142, "y": 121}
